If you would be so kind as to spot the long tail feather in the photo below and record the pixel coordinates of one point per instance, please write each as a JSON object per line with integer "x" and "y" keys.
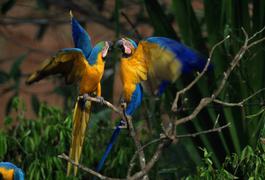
{"x": 80, "y": 120}
{"x": 110, "y": 145}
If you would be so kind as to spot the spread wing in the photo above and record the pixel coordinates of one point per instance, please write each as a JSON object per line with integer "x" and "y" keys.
{"x": 70, "y": 63}
{"x": 161, "y": 63}
{"x": 81, "y": 38}
{"x": 166, "y": 59}
{"x": 189, "y": 59}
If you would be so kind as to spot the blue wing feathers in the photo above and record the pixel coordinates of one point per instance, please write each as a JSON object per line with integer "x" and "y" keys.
{"x": 190, "y": 59}
{"x": 81, "y": 38}
{"x": 110, "y": 145}
{"x": 18, "y": 173}
{"x": 72, "y": 49}
{"x": 136, "y": 100}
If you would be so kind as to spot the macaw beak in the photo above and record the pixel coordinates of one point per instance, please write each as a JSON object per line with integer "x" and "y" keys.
{"x": 121, "y": 44}
{"x": 110, "y": 43}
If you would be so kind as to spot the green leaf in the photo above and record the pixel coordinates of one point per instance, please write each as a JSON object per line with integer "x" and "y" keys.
{"x": 41, "y": 31}
{"x": 15, "y": 71}
{"x": 43, "y": 5}
{"x": 9, "y": 104}
{"x": 35, "y": 103}
{"x": 188, "y": 24}
{"x": 8, "y": 120}
{"x": 4, "y": 77}
{"x": 117, "y": 17}
{"x": 159, "y": 20}
{"x": 5, "y": 7}
{"x": 3, "y": 146}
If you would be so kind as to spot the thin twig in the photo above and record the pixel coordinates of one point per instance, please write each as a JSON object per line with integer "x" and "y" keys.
{"x": 131, "y": 164}
{"x": 90, "y": 171}
{"x": 189, "y": 86}
{"x": 241, "y": 103}
{"x": 205, "y": 101}
{"x": 219, "y": 129}
{"x": 132, "y": 25}
{"x": 104, "y": 102}
{"x": 136, "y": 142}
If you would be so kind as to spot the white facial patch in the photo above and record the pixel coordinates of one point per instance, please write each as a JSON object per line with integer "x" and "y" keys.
{"x": 127, "y": 46}
{"x": 105, "y": 49}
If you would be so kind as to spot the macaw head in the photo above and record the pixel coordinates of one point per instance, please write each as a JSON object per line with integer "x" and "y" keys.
{"x": 127, "y": 46}
{"x": 102, "y": 48}
{"x": 9, "y": 171}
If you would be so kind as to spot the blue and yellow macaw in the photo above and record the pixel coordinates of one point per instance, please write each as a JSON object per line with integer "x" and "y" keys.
{"x": 82, "y": 64}
{"x": 160, "y": 60}
{"x": 9, "y": 171}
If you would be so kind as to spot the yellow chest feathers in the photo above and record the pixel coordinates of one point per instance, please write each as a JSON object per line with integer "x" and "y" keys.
{"x": 7, "y": 174}
{"x": 92, "y": 77}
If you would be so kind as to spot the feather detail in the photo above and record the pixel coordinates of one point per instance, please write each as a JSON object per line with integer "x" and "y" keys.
{"x": 162, "y": 64}
{"x": 70, "y": 63}
{"x": 80, "y": 37}
{"x": 81, "y": 118}
{"x": 10, "y": 171}
{"x": 133, "y": 71}
{"x": 189, "y": 59}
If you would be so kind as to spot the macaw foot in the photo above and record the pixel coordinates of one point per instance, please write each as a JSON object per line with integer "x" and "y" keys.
{"x": 122, "y": 125}
{"x": 123, "y": 105}
{"x": 82, "y": 99}
{"x": 101, "y": 99}
{"x": 85, "y": 96}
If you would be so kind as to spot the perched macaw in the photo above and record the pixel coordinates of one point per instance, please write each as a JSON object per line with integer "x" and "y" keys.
{"x": 160, "y": 60}
{"x": 82, "y": 64}
{"x": 9, "y": 171}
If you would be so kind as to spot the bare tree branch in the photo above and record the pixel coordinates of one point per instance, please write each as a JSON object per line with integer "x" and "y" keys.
{"x": 90, "y": 171}
{"x": 205, "y": 101}
{"x": 136, "y": 142}
{"x": 241, "y": 103}
{"x": 189, "y": 86}
{"x": 219, "y": 129}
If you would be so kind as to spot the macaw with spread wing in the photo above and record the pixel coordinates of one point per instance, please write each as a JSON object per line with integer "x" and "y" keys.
{"x": 9, "y": 171}
{"x": 160, "y": 60}
{"x": 82, "y": 64}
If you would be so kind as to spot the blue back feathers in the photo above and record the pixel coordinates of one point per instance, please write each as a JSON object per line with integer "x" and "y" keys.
{"x": 81, "y": 38}
{"x": 92, "y": 59}
{"x": 162, "y": 87}
{"x": 71, "y": 49}
{"x": 18, "y": 173}
{"x": 136, "y": 100}
{"x": 190, "y": 59}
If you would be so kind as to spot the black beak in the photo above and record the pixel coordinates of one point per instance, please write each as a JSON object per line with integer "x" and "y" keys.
{"x": 119, "y": 44}
{"x": 110, "y": 43}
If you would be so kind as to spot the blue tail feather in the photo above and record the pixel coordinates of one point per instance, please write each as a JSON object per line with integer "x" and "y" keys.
{"x": 110, "y": 145}
{"x": 135, "y": 102}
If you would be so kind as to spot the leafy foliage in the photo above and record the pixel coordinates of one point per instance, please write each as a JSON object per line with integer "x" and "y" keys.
{"x": 35, "y": 144}
{"x": 249, "y": 164}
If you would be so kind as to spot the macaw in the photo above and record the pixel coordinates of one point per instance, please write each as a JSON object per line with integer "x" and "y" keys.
{"x": 82, "y": 64}
{"x": 160, "y": 60}
{"x": 9, "y": 171}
